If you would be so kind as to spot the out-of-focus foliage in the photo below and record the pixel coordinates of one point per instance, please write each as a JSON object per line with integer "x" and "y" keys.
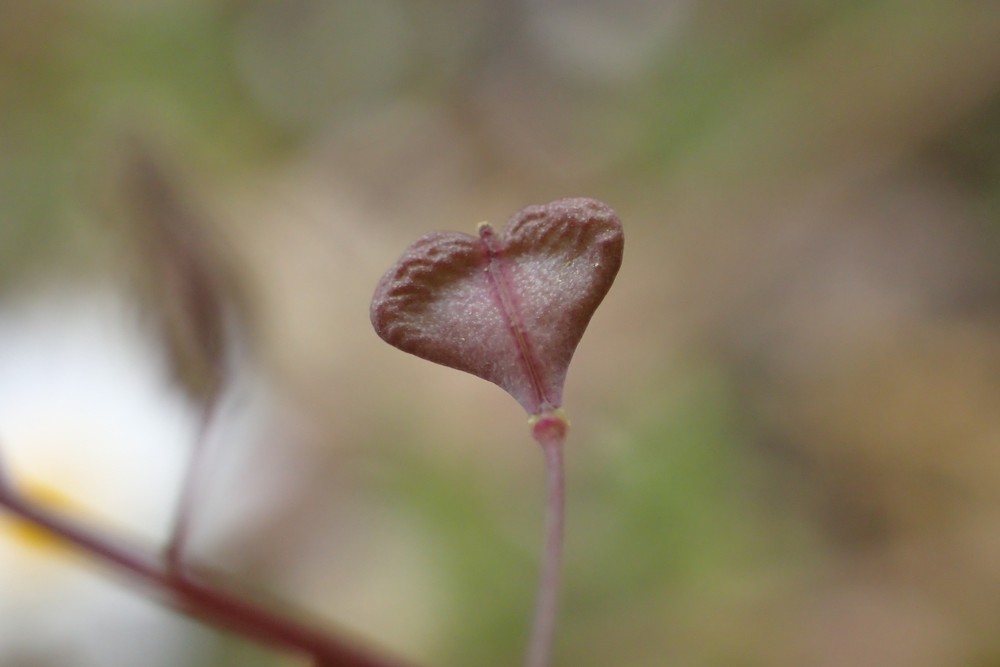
{"x": 786, "y": 415}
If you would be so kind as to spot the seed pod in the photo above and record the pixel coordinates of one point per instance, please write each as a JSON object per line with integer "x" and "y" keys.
{"x": 183, "y": 277}
{"x": 509, "y": 307}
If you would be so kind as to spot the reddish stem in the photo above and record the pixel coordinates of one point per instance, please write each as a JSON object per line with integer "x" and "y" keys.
{"x": 195, "y": 597}
{"x": 190, "y": 490}
{"x": 550, "y": 432}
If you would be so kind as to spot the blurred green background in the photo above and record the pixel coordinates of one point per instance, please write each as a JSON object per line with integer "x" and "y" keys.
{"x": 786, "y": 415}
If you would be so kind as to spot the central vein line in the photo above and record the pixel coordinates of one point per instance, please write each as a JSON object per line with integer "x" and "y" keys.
{"x": 500, "y": 281}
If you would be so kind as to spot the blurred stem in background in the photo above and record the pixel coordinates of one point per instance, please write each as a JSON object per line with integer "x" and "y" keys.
{"x": 191, "y": 490}
{"x": 193, "y": 596}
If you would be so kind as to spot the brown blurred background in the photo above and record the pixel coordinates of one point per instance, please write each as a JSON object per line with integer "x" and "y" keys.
{"x": 786, "y": 415}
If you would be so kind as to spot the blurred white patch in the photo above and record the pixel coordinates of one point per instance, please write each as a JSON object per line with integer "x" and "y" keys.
{"x": 90, "y": 425}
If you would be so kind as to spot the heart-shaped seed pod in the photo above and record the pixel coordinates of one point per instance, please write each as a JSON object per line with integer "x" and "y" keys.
{"x": 509, "y": 307}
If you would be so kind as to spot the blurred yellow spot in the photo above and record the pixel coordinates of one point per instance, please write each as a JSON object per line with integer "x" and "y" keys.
{"x": 29, "y": 535}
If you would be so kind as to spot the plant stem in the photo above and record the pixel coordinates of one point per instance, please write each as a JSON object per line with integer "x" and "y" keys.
{"x": 196, "y": 597}
{"x": 190, "y": 491}
{"x": 4, "y": 484}
{"x": 550, "y": 432}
